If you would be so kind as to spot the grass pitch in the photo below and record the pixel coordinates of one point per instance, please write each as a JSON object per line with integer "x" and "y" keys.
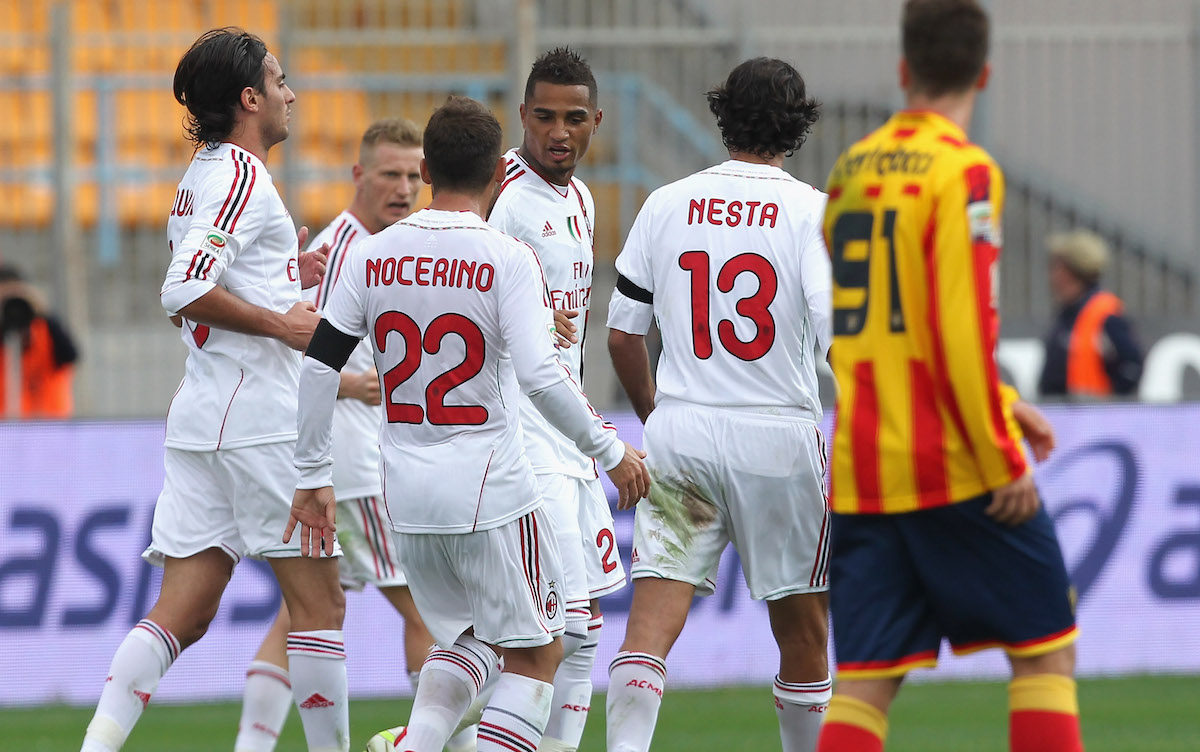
{"x": 1141, "y": 714}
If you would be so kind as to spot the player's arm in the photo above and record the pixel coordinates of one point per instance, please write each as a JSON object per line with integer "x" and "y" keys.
{"x": 214, "y": 240}
{"x": 313, "y": 506}
{"x": 966, "y": 249}
{"x": 816, "y": 274}
{"x": 526, "y": 326}
{"x": 630, "y": 312}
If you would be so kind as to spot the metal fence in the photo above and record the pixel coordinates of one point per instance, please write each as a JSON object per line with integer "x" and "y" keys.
{"x": 1092, "y": 115}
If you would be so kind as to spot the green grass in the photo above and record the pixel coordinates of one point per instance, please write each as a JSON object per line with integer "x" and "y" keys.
{"x": 1142, "y": 714}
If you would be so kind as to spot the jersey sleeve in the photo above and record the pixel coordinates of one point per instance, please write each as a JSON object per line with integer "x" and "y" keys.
{"x": 527, "y": 325}
{"x": 966, "y": 246}
{"x": 816, "y": 275}
{"x": 345, "y": 307}
{"x": 227, "y": 218}
{"x": 631, "y": 308}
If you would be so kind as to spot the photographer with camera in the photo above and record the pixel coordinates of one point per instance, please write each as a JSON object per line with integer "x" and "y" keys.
{"x": 43, "y": 373}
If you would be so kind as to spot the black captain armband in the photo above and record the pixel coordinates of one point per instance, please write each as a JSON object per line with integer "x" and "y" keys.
{"x": 626, "y": 287}
{"x": 331, "y": 346}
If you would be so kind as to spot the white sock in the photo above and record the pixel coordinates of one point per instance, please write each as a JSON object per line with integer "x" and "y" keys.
{"x": 140, "y": 661}
{"x": 801, "y": 709}
{"x": 450, "y": 680}
{"x": 266, "y": 702}
{"x": 573, "y": 688}
{"x": 475, "y": 712}
{"x": 516, "y": 717}
{"x": 414, "y": 678}
{"x": 636, "y": 682}
{"x": 317, "y": 660}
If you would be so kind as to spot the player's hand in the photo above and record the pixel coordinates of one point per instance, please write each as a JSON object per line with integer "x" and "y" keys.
{"x": 1014, "y": 503}
{"x": 315, "y": 510}
{"x": 1036, "y": 428}
{"x": 363, "y": 387}
{"x": 299, "y": 323}
{"x": 311, "y": 263}
{"x": 631, "y": 478}
{"x": 564, "y": 329}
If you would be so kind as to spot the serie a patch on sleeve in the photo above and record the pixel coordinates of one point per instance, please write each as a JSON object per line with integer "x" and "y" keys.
{"x": 215, "y": 242}
{"x": 981, "y": 219}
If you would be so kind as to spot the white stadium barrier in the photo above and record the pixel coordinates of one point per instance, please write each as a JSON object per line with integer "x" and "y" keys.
{"x": 76, "y": 502}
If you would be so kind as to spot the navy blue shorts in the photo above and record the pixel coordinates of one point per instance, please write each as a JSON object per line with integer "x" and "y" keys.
{"x": 899, "y": 583}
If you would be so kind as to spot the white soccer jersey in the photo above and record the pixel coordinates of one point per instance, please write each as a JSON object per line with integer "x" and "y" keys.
{"x": 460, "y": 325}
{"x": 557, "y": 222}
{"x": 732, "y": 264}
{"x": 228, "y": 226}
{"x": 355, "y": 423}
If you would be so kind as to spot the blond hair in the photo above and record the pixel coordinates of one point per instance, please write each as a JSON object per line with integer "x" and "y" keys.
{"x": 399, "y": 131}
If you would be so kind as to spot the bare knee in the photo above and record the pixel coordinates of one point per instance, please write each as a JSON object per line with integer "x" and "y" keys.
{"x": 800, "y": 624}
{"x": 537, "y": 663}
{"x": 1061, "y": 661}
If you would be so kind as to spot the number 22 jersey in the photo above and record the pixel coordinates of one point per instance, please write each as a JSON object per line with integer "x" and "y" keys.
{"x": 732, "y": 264}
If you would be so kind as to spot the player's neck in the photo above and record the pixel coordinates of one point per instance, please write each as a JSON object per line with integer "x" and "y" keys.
{"x": 246, "y": 140}
{"x": 361, "y": 214}
{"x": 775, "y": 160}
{"x": 561, "y": 178}
{"x": 957, "y": 108}
{"x": 457, "y": 202}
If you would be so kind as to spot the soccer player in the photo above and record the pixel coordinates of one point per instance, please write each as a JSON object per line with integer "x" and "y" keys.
{"x": 461, "y": 325}
{"x": 235, "y": 278}
{"x": 387, "y": 180}
{"x": 938, "y": 531}
{"x": 731, "y": 264}
{"x": 543, "y": 204}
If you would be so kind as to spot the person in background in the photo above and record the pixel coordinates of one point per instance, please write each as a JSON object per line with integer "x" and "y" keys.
{"x": 1091, "y": 350}
{"x": 48, "y": 353}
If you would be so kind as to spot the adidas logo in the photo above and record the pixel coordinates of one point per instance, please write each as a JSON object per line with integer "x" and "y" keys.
{"x": 316, "y": 700}
{"x": 547, "y": 231}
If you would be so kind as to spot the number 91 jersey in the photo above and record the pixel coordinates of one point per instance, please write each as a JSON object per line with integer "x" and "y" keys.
{"x": 732, "y": 265}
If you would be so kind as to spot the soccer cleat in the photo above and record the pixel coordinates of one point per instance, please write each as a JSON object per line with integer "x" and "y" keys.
{"x": 386, "y": 741}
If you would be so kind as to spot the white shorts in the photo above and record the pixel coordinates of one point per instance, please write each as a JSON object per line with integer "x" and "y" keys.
{"x": 505, "y": 582}
{"x": 560, "y": 494}
{"x": 605, "y": 572}
{"x": 725, "y": 475}
{"x": 370, "y": 554}
{"x": 237, "y": 500}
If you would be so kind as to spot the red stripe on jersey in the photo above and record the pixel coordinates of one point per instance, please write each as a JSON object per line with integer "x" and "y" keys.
{"x": 506, "y": 182}
{"x": 873, "y": 191}
{"x": 237, "y": 177}
{"x": 864, "y": 435}
{"x": 221, "y": 434}
{"x": 957, "y": 143}
{"x": 929, "y": 443}
{"x": 835, "y": 193}
{"x": 332, "y": 251}
{"x": 903, "y": 133}
{"x": 191, "y": 266}
{"x": 342, "y": 260}
{"x": 941, "y": 369}
{"x": 985, "y": 256}
{"x": 912, "y": 189}
{"x": 245, "y": 199}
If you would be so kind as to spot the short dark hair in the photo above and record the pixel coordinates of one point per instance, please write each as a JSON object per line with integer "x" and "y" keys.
{"x": 762, "y": 108}
{"x": 210, "y": 78}
{"x": 945, "y": 43}
{"x": 562, "y": 66}
{"x": 462, "y": 145}
{"x": 10, "y": 273}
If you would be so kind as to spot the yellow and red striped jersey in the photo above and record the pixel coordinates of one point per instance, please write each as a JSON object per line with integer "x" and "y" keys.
{"x": 913, "y": 228}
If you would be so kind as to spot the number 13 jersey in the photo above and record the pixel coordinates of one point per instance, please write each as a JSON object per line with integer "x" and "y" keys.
{"x": 731, "y": 264}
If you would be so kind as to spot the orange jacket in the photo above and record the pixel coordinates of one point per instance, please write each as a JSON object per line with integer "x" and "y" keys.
{"x": 46, "y": 385}
{"x": 1086, "y": 373}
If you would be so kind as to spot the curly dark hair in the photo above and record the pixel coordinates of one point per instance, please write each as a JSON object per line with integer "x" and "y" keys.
{"x": 762, "y": 108}
{"x": 565, "y": 67}
{"x": 210, "y": 78}
{"x": 462, "y": 146}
